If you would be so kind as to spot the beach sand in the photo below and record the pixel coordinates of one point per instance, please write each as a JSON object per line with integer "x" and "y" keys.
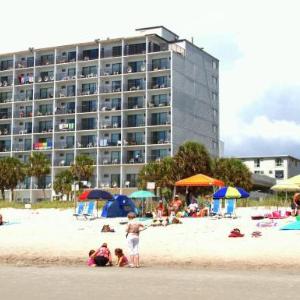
{"x": 51, "y": 236}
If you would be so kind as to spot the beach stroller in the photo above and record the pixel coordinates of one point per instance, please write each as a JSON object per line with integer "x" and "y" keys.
{"x": 230, "y": 208}
{"x": 216, "y": 207}
{"x": 79, "y": 209}
{"x": 90, "y": 209}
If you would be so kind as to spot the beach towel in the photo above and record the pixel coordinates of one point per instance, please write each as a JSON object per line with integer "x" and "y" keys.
{"x": 291, "y": 226}
{"x": 9, "y": 223}
{"x": 266, "y": 224}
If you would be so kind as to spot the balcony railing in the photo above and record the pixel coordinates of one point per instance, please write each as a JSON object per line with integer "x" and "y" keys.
{"x": 132, "y": 88}
{"x": 109, "y": 143}
{"x": 86, "y": 93}
{"x": 24, "y": 64}
{"x": 22, "y": 114}
{"x": 43, "y": 130}
{"x": 6, "y": 83}
{"x": 109, "y": 89}
{"x": 133, "y": 142}
{"x": 159, "y": 104}
{"x": 64, "y": 59}
{"x": 157, "y": 85}
{"x": 63, "y": 162}
{"x": 110, "y": 107}
{"x": 44, "y": 62}
{"x": 110, "y": 125}
{"x": 134, "y": 160}
{"x": 64, "y": 93}
{"x": 5, "y": 148}
{"x": 22, "y": 130}
{"x": 64, "y": 110}
{"x": 110, "y": 161}
{"x": 165, "y": 140}
{"x": 108, "y": 72}
{"x": 23, "y": 97}
{"x": 21, "y": 147}
{"x": 65, "y": 127}
{"x": 90, "y": 75}
{"x": 38, "y": 113}
{"x": 6, "y": 100}
{"x": 40, "y": 79}
{"x": 43, "y": 97}
{"x": 63, "y": 145}
{"x": 64, "y": 76}
{"x": 134, "y": 124}
{"x": 86, "y": 145}
{"x": 5, "y": 131}
{"x": 5, "y": 115}
{"x": 160, "y": 122}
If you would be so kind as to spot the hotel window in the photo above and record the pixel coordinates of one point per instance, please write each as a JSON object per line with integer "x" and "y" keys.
{"x": 278, "y": 162}
{"x": 279, "y": 174}
{"x": 214, "y": 80}
{"x": 257, "y": 163}
{"x": 214, "y": 65}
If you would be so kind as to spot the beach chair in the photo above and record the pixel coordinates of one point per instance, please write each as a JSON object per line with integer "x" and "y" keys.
{"x": 230, "y": 208}
{"x": 216, "y": 207}
{"x": 79, "y": 209}
{"x": 89, "y": 213}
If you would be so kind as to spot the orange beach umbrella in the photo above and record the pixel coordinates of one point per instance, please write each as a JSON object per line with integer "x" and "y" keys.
{"x": 199, "y": 180}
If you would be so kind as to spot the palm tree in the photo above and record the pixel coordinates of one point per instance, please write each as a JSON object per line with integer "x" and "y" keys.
{"x": 233, "y": 172}
{"x": 39, "y": 167}
{"x": 192, "y": 158}
{"x": 63, "y": 183}
{"x": 3, "y": 178}
{"x": 14, "y": 172}
{"x": 83, "y": 168}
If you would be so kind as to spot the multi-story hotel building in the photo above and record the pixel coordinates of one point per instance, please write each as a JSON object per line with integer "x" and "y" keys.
{"x": 122, "y": 101}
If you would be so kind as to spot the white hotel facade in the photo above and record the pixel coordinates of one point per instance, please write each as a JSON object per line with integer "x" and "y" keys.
{"x": 122, "y": 101}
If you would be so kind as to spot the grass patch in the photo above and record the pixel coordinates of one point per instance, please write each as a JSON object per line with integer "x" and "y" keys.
{"x": 44, "y": 204}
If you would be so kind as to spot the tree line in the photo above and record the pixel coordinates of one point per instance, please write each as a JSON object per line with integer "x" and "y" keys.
{"x": 193, "y": 158}
{"x": 13, "y": 172}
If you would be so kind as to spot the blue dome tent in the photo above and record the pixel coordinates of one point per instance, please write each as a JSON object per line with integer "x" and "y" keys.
{"x": 119, "y": 206}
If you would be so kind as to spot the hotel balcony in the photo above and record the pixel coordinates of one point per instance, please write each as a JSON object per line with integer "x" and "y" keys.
{"x": 22, "y": 79}
{"x": 23, "y": 130}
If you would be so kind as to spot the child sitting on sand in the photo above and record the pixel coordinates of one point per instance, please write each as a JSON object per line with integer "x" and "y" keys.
{"x": 122, "y": 259}
{"x": 91, "y": 261}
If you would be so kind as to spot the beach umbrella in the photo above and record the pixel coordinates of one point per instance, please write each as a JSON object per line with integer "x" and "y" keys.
{"x": 294, "y": 180}
{"x": 199, "y": 180}
{"x": 142, "y": 194}
{"x": 286, "y": 186}
{"x": 230, "y": 193}
{"x": 99, "y": 195}
{"x": 83, "y": 196}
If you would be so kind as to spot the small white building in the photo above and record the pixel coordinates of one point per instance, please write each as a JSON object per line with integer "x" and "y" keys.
{"x": 280, "y": 167}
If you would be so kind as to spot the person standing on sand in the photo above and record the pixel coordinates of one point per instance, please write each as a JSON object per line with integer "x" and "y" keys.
{"x": 1, "y": 220}
{"x": 133, "y": 231}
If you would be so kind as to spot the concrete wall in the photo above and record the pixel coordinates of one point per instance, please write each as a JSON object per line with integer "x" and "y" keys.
{"x": 192, "y": 109}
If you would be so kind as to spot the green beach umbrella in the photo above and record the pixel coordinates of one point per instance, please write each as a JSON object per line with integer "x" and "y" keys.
{"x": 142, "y": 194}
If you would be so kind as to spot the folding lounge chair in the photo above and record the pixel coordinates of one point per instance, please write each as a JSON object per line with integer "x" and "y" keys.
{"x": 90, "y": 210}
{"x": 79, "y": 209}
{"x": 216, "y": 207}
{"x": 230, "y": 208}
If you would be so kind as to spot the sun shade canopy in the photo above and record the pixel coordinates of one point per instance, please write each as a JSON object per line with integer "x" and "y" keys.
{"x": 199, "y": 180}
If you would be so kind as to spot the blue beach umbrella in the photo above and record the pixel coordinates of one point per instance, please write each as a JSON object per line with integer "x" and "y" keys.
{"x": 99, "y": 195}
{"x": 230, "y": 193}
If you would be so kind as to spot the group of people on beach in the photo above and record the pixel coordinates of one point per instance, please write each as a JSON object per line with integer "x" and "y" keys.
{"x": 102, "y": 257}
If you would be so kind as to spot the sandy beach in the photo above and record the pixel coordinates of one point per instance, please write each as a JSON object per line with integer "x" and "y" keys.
{"x": 50, "y": 236}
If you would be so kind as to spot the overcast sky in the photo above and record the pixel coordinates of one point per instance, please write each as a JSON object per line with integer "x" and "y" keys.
{"x": 256, "y": 41}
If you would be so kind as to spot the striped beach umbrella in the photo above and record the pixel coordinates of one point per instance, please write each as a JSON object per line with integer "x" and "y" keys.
{"x": 230, "y": 193}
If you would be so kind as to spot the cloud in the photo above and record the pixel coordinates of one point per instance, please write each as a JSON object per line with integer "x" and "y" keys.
{"x": 263, "y": 136}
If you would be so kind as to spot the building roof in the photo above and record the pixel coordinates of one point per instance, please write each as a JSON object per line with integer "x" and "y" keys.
{"x": 156, "y": 27}
{"x": 269, "y": 156}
